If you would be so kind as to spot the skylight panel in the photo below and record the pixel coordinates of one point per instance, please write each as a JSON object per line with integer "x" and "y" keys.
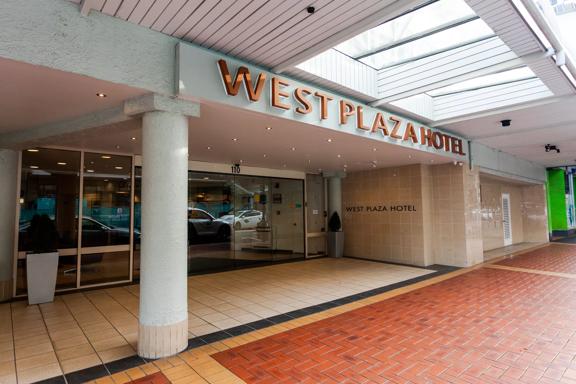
{"x": 499, "y": 78}
{"x": 459, "y": 35}
{"x": 420, "y": 21}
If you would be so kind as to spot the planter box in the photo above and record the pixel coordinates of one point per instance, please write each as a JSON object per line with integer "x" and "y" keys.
{"x": 41, "y": 272}
{"x": 336, "y": 244}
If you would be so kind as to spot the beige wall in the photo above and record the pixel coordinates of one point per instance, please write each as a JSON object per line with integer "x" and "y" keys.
{"x": 456, "y": 221}
{"x": 439, "y": 231}
{"x": 528, "y": 212}
{"x": 390, "y": 236}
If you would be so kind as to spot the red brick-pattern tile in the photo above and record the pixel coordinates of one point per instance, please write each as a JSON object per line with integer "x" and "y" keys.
{"x": 553, "y": 258}
{"x": 155, "y": 378}
{"x": 486, "y": 326}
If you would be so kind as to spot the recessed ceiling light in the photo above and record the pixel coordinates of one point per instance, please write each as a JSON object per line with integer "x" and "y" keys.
{"x": 235, "y": 139}
{"x": 268, "y": 128}
{"x": 293, "y": 148}
{"x": 34, "y": 166}
{"x": 33, "y": 150}
{"x": 265, "y": 155}
{"x": 105, "y": 180}
{"x": 241, "y": 161}
{"x": 90, "y": 170}
{"x": 117, "y": 147}
{"x": 61, "y": 163}
{"x": 409, "y": 156}
{"x": 206, "y": 178}
{"x": 106, "y": 157}
{"x": 345, "y": 165}
{"x": 373, "y": 165}
{"x": 329, "y": 140}
{"x": 339, "y": 156}
{"x": 118, "y": 167}
{"x": 101, "y": 95}
{"x": 209, "y": 148}
{"x": 373, "y": 149}
{"x": 133, "y": 138}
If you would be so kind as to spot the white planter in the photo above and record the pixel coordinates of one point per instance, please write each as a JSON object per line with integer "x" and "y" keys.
{"x": 41, "y": 271}
{"x": 336, "y": 244}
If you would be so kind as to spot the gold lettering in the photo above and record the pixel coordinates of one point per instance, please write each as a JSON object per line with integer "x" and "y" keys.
{"x": 324, "y": 99}
{"x": 346, "y": 110}
{"x": 300, "y": 96}
{"x": 379, "y": 123}
{"x": 410, "y": 133}
{"x": 394, "y": 134}
{"x": 360, "y": 119}
{"x": 243, "y": 73}
{"x": 277, "y": 93}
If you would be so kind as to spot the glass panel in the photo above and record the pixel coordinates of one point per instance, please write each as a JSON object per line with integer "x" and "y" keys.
{"x": 209, "y": 221}
{"x": 50, "y": 186}
{"x": 442, "y": 40}
{"x": 486, "y": 81}
{"x": 561, "y": 17}
{"x": 137, "y": 221}
{"x": 413, "y": 23}
{"x": 105, "y": 267}
{"x": 106, "y": 218}
{"x": 253, "y": 235}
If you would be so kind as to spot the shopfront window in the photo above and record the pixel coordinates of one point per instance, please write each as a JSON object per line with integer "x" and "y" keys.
{"x": 50, "y": 184}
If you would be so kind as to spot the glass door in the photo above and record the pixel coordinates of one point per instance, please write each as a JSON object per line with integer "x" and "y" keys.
{"x": 253, "y": 232}
{"x": 106, "y": 212}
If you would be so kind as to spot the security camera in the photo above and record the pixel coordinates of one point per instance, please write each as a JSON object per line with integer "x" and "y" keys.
{"x": 551, "y": 147}
{"x": 505, "y": 123}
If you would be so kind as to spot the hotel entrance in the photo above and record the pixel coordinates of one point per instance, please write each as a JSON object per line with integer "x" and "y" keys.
{"x": 237, "y": 221}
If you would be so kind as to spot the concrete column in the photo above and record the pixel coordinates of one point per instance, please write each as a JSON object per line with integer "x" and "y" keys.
{"x": 163, "y": 317}
{"x": 334, "y": 196}
{"x": 8, "y": 187}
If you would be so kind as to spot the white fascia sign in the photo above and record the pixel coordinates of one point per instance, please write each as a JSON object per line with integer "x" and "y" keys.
{"x": 208, "y": 75}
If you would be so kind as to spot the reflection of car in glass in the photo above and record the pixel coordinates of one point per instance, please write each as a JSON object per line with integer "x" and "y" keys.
{"x": 203, "y": 224}
{"x": 94, "y": 234}
{"x": 246, "y": 219}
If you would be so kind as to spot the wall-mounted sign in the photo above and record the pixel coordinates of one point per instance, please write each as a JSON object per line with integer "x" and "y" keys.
{"x": 203, "y": 74}
{"x": 380, "y": 208}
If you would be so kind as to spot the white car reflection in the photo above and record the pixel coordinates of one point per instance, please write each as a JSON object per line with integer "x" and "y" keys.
{"x": 245, "y": 219}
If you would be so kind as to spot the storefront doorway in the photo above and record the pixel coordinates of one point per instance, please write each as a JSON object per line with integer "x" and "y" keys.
{"x": 237, "y": 220}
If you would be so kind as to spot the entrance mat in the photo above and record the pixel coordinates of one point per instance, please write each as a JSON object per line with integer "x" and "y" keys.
{"x": 96, "y": 372}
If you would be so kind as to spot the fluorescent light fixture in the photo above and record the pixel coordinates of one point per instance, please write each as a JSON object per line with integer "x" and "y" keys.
{"x": 90, "y": 170}
{"x": 61, "y": 163}
{"x": 34, "y": 166}
{"x": 33, "y": 150}
{"x": 118, "y": 167}
{"x": 106, "y": 157}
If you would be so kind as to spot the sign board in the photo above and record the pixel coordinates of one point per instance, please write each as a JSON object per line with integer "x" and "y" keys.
{"x": 204, "y": 74}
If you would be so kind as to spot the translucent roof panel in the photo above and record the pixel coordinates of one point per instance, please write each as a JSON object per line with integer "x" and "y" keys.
{"x": 413, "y": 23}
{"x": 449, "y": 38}
{"x": 504, "y": 77}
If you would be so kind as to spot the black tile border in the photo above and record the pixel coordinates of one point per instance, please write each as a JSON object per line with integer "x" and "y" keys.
{"x": 98, "y": 371}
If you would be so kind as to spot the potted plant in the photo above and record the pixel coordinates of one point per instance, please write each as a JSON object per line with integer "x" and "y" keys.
{"x": 335, "y": 236}
{"x": 42, "y": 261}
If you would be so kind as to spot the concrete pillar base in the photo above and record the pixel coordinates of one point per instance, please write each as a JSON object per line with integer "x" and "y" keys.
{"x": 156, "y": 341}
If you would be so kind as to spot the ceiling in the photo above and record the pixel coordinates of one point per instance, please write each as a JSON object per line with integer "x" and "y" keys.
{"x": 530, "y": 129}
{"x": 31, "y": 95}
{"x": 256, "y": 146}
{"x": 264, "y": 32}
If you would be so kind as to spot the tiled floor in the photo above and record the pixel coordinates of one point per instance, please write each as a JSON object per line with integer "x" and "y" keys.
{"x": 485, "y": 326}
{"x": 87, "y": 329}
{"x": 553, "y": 258}
{"x": 510, "y": 250}
{"x": 479, "y": 325}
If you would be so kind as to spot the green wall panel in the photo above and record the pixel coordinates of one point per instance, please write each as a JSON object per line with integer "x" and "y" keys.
{"x": 557, "y": 200}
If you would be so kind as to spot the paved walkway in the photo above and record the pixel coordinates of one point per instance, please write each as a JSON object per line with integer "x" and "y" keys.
{"x": 86, "y": 334}
{"x": 506, "y": 322}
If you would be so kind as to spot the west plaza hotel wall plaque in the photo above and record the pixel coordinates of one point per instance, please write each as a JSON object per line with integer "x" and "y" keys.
{"x": 206, "y": 75}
